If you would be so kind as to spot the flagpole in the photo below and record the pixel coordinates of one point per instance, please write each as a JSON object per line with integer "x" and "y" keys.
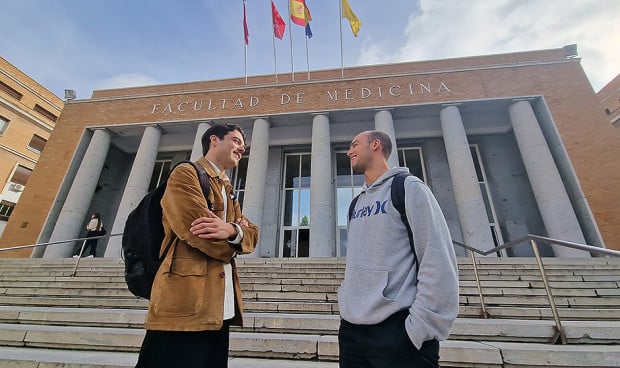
{"x": 290, "y": 36}
{"x": 308, "y": 35}
{"x": 273, "y": 38}
{"x": 245, "y": 47}
{"x": 275, "y": 60}
{"x": 307, "y": 58}
{"x": 341, "y": 57}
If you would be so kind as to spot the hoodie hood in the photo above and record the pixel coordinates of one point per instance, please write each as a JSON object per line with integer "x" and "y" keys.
{"x": 383, "y": 178}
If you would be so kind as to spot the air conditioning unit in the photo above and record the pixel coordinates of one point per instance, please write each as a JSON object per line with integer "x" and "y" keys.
{"x": 18, "y": 187}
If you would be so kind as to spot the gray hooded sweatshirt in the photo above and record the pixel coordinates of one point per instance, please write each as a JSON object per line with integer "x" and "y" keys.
{"x": 380, "y": 275}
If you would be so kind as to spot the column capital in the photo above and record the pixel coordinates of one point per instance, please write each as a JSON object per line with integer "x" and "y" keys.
{"x": 384, "y": 109}
{"x": 457, "y": 104}
{"x": 157, "y": 126}
{"x": 266, "y": 118}
{"x": 527, "y": 99}
{"x": 319, "y": 113}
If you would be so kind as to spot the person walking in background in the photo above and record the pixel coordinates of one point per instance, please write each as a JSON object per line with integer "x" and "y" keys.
{"x": 93, "y": 228}
{"x": 395, "y": 305}
{"x": 196, "y": 294}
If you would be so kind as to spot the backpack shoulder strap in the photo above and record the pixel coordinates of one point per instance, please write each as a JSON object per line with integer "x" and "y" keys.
{"x": 204, "y": 185}
{"x": 352, "y": 206}
{"x": 398, "y": 201}
{"x": 203, "y": 178}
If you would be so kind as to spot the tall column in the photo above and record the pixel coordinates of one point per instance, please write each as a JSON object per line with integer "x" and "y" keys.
{"x": 137, "y": 185}
{"x": 197, "y": 148}
{"x": 385, "y": 123}
{"x": 254, "y": 199}
{"x": 555, "y": 208}
{"x": 469, "y": 202}
{"x": 73, "y": 213}
{"x": 322, "y": 221}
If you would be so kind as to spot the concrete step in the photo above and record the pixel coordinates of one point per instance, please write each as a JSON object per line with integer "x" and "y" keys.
{"x": 590, "y": 332}
{"x": 469, "y": 308}
{"x": 56, "y": 358}
{"x": 293, "y": 312}
{"x": 325, "y": 348}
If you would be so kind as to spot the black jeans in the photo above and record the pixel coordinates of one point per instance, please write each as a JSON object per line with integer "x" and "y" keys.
{"x": 384, "y": 345}
{"x": 181, "y": 349}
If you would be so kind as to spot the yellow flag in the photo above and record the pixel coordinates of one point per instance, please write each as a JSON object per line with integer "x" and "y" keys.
{"x": 355, "y": 22}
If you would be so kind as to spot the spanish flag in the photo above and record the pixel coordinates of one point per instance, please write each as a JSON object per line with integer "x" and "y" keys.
{"x": 355, "y": 22}
{"x": 300, "y": 14}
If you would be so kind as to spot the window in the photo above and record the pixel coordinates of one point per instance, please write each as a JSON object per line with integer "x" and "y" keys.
{"x": 486, "y": 196}
{"x": 295, "y": 235}
{"x": 6, "y": 208}
{"x": 4, "y": 123}
{"x": 238, "y": 178}
{"x": 348, "y": 185}
{"x": 37, "y": 143}
{"x": 38, "y": 108}
{"x": 411, "y": 158}
{"x": 10, "y": 90}
{"x": 21, "y": 175}
{"x": 160, "y": 172}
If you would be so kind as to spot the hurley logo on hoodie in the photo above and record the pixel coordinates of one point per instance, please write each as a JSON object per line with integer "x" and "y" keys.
{"x": 372, "y": 210}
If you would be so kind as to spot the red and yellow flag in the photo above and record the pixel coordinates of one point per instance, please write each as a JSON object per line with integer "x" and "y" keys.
{"x": 300, "y": 14}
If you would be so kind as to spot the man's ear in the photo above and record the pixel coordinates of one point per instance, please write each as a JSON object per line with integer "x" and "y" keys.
{"x": 375, "y": 145}
{"x": 214, "y": 139}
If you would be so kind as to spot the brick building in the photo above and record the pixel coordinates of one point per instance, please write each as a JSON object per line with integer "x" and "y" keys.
{"x": 510, "y": 144}
{"x": 610, "y": 99}
{"x": 28, "y": 114}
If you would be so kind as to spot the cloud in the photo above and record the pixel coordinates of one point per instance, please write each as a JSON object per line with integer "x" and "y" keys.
{"x": 126, "y": 80}
{"x": 456, "y": 28}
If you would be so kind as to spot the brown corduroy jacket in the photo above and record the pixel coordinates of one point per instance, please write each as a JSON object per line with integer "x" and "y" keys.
{"x": 188, "y": 291}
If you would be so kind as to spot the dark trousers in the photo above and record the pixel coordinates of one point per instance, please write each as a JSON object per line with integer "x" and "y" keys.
{"x": 181, "y": 349}
{"x": 384, "y": 345}
{"x": 92, "y": 244}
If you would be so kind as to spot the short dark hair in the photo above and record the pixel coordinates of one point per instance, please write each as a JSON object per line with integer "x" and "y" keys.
{"x": 384, "y": 139}
{"x": 219, "y": 130}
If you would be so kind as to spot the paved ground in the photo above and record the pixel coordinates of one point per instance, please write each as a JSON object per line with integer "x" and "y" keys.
{"x": 129, "y": 359}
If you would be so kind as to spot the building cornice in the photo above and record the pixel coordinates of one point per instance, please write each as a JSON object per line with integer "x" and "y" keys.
{"x": 32, "y": 91}
{"x": 17, "y": 153}
{"x": 331, "y": 80}
{"x": 25, "y": 114}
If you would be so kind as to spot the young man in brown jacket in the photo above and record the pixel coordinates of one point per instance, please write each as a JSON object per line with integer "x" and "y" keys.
{"x": 196, "y": 293}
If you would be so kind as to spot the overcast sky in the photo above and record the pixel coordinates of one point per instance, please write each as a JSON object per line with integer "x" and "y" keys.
{"x": 87, "y": 45}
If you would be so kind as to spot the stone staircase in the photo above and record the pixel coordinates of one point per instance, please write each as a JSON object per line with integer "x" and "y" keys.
{"x": 50, "y": 319}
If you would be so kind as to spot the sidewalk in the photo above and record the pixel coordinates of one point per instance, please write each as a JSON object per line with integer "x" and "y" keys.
{"x": 126, "y": 360}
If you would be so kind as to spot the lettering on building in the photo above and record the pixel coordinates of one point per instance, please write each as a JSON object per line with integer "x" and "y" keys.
{"x": 235, "y": 103}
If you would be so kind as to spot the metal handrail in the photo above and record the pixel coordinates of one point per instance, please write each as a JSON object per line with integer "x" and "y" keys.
{"x": 559, "y": 333}
{"x": 57, "y": 242}
{"x": 77, "y": 261}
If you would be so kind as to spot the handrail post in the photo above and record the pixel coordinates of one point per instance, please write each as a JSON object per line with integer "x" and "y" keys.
{"x": 559, "y": 330}
{"x": 77, "y": 262}
{"x": 484, "y": 312}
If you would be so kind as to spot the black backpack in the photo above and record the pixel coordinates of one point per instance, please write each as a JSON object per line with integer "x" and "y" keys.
{"x": 144, "y": 234}
{"x": 397, "y": 193}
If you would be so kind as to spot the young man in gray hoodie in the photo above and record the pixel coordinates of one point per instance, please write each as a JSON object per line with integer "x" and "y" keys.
{"x": 394, "y": 308}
